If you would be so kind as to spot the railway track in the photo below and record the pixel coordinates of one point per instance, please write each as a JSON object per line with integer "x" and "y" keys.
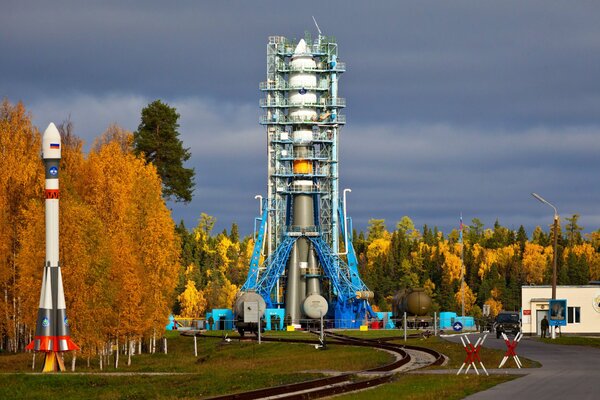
{"x": 343, "y": 383}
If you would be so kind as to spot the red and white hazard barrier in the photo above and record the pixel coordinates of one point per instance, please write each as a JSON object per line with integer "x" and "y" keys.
{"x": 510, "y": 351}
{"x": 472, "y": 354}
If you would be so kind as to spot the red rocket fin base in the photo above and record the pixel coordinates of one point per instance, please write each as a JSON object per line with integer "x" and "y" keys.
{"x": 52, "y": 343}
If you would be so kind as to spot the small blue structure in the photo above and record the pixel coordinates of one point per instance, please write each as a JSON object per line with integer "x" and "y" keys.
{"x": 171, "y": 324}
{"x": 386, "y": 318}
{"x": 222, "y": 319}
{"x": 273, "y": 316}
{"x": 467, "y": 322}
{"x": 447, "y": 320}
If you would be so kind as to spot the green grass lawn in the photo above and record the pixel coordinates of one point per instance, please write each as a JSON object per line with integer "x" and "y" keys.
{"x": 429, "y": 387}
{"x": 574, "y": 340}
{"x": 226, "y": 368}
{"x": 219, "y": 369}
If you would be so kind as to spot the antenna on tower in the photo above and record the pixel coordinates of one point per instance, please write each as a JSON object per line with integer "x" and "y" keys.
{"x": 317, "y": 25}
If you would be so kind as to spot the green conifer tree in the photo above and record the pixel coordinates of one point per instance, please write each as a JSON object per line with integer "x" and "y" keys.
{"x": 157, "y": 139}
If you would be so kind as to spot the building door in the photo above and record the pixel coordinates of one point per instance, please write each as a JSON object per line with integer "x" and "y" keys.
{"x": 539, "y": 316}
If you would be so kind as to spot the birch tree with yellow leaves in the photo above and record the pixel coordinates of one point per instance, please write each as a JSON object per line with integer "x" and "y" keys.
{"x": 21, "y": 181}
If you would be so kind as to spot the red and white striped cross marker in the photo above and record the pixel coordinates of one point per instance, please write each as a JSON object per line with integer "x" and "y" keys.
{"x": 511, "y": 346}
{"x": 472, "y": 354}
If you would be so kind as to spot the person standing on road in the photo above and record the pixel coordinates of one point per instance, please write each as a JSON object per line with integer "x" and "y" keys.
{"x": 545, "y": 326}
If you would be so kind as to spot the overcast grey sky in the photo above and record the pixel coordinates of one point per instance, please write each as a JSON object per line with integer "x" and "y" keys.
{"x": 453, "y": 106}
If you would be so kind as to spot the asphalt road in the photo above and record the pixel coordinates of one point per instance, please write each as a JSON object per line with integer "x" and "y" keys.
{"x": 567, "y": 372}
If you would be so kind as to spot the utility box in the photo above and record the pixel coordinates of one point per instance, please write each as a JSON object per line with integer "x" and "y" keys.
{"x": 222, "y": 319}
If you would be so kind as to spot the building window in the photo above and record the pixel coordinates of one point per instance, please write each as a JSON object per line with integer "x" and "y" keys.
{"x": 574, "y": 315}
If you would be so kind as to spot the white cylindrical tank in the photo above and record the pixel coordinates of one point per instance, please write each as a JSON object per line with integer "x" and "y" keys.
{"x": 302, "y": 97}
{"x": 303, "y": 80}
{"x": 249, "y": 297}
{"x": 303, "y": 114}
{"x": 302, "y": 136}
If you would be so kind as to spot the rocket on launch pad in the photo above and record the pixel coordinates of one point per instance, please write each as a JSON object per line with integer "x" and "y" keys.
{"x": 302, "y": 218}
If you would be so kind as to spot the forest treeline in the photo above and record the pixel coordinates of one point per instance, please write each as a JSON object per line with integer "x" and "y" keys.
{"x": 126, "y": 265}
{"x": 497, "y": 262}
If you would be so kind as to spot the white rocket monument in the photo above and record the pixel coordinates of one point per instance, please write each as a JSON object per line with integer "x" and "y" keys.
{"x": 52, "y": 334}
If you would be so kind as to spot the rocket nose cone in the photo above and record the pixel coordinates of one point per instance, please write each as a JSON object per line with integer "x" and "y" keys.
{"x": 52, "y": 132}
{"x": 51, "y": 142}
{"x": 301, "y": 48}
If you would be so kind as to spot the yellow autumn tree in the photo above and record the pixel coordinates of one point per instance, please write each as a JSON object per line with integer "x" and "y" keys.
{"x": 495, "y": 306}
{"x": 85, "y": 261}
{"x": 535, "y": 262}
{"x": 219, "y": 291}
{"x": 30, "y": 260}
{"x": 143, "y": 248}
{"x": 429, "y": 287}
{"x": 21, "y": 180}
{"x": 193, "y": 303}
{"x": 588, "y": 253}
{"x": 469, "y": 297}
{"x": 110, "y": 193}
{"x": 241, "y": 253}
{"x": 451, "y": 252}
{"x": 501, "y": 257}
{"x": 220, "y": 294}
{"x": 84, "y": 249}
{"x": 378, "y": 249}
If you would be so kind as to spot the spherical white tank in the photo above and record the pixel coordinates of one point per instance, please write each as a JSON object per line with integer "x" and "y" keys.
{"x": 315, "y": 306}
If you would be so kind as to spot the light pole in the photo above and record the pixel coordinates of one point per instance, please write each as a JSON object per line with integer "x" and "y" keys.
{"x": 259, "y": 198}
{"x": 345, "y": 225}
{"x": 554, "y": 255}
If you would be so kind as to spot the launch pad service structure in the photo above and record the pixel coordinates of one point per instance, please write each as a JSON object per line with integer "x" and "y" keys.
{"x": 303, "y": 234}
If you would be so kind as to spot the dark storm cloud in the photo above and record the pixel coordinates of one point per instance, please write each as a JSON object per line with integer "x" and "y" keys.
{"x": 435, "y": 172}
{"x": 461, "y": 61}
{"x": 452, "y": 106}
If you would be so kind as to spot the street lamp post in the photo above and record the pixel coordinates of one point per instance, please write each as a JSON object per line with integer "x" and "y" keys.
{"x": 554, "y": 255}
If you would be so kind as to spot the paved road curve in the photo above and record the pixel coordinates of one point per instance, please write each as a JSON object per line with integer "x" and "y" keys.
{"x": 567, "y": 372}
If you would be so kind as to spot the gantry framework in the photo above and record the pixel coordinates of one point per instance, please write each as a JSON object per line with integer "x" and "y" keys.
{"x": 280, "y": 125}
{"x": 302, "y": 152}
